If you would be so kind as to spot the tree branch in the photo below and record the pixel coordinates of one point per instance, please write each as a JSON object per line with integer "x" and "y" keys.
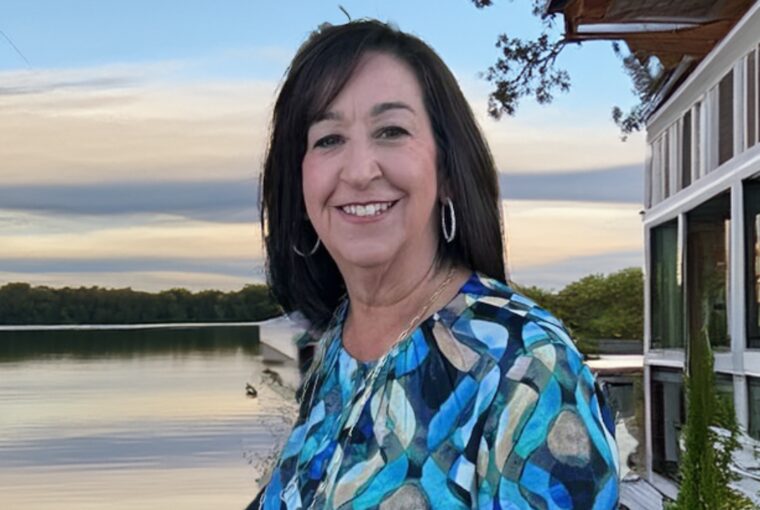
{"x": 529, "y": 68}
{"x": 525, "y": 68}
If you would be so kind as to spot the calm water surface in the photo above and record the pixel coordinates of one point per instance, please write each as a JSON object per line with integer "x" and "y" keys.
{"x": 147, "y": 419}
{"x": 140, "y": 419}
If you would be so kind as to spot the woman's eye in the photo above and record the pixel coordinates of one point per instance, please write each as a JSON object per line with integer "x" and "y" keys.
{"x": 328, "y": 141}
{"x": 392, "y": 132}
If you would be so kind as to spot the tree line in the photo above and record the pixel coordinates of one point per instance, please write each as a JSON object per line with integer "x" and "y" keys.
{"x": 597, "y": 306}
{"x": 594, "y": 307}
{"x": 21, "y": 303}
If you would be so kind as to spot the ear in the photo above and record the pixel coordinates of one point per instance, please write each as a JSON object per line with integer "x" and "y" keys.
{"x": 444, "y": 192}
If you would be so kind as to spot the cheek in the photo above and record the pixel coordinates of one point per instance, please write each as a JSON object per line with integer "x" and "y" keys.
{"x": 310, "y": 178}
{"x": 415, "y": 171}
{"x": 309, "y": 186}
{"x": 316, "y": 186}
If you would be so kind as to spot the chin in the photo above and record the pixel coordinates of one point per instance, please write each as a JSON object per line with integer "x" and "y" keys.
{"x": 367, "y": 255}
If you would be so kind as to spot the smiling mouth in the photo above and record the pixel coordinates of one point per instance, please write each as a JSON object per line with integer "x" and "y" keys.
{"x": 366, "y": 210}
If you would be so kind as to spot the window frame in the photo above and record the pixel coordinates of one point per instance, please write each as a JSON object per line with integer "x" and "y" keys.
{"x": 725, "y": 118}
{"x": 751, "y": 188}
{"x": 659, "y": 375}
{"x": 686, "y": 151}
{"x": 753, "y": 425}
{"x": 750, "y": 100}
{"x": 659, "y": 335}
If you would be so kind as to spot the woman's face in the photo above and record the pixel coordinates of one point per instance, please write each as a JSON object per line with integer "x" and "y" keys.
{"x": 369, "y": 172}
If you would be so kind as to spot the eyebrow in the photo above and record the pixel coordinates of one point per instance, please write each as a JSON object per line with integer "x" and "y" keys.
{"x": 376, "y": 111}
{"x": 381, "y": 108}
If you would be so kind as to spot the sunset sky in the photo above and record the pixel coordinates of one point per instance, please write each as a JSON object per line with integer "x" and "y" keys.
{"x": 132, "y": 135}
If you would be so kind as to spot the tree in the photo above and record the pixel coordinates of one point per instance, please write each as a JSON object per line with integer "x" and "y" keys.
{"x": 20, "y": 303}
{"x": 705, "y": 468}
{"x": 529, "y": 68}
{"x": 597, "y": 306}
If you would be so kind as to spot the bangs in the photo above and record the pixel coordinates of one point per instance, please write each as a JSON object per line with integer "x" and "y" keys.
{"x": 327, "y": 87}
{"x": 325, "y": 70}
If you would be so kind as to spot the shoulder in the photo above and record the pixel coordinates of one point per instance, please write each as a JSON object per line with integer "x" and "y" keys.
{"x": 547, "y": 419}
{"x": 520, "y": 347}
{"x": 496, "y": 321}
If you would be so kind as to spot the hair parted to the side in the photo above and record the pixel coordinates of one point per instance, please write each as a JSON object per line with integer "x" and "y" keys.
{"x": 322, "y": 66}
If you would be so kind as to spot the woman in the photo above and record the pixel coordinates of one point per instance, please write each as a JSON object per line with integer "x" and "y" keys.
{"x": 434, "y": 384}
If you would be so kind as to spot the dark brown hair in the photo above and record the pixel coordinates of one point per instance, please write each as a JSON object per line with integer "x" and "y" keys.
{"x": 313, "y": 285}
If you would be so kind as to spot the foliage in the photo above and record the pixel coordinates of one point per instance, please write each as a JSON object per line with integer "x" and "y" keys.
{"x": 528, "y": 67}
{"x": 647, "y": 77}
{"x": 705, "y": 467}
{"x": 597, "y": 306}
{"x": 20, "y": 303}
{"x": 525, "y": 67}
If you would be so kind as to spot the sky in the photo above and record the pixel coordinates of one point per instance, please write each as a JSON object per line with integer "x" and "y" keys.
{"x": 132, "y": 135}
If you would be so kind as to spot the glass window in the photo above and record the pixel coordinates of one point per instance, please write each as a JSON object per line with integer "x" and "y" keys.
{"x": 665, "y": 165}
{"x": 668, "y": 415}
{"x": 656, "y": 177}
{"x": 724, "y": 385}
{"x": 751, "y": 100}
{"x": 724, "y": 394}
{"x": 752, "y": 260}
{"x": 726, "y": 118}
{"x": 686, "y": 150}
{"x": 667, "y": 292}
{"x": 648, "y": 176}
{"x": 707, "y": 271}
{"x": 697, "y": 142}
{"x": 753, "y": 393}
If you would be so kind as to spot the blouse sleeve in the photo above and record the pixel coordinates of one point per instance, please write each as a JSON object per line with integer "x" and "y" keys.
{"x": 548, "y": 438}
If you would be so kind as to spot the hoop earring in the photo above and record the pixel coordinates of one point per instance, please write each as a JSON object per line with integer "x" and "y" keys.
{"x": 448, "y": 236}
{"x": 312, "y": 252}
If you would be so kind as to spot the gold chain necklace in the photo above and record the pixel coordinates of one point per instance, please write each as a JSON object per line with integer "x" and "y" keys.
{"x": 358, "y": 407}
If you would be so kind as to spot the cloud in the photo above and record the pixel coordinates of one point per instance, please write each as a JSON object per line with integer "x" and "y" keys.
{"x": 551, "y": 138}
{"x": 236, "y": 200}
{"x": 38, "y": 88}
{"x": 113, "y": 75}
{"x": 242, "y": 268}
{"x": 156, "y": 121}
{"x": 42, "y": 81}
{"x": 558, "y": 274}
{"x": 134, "y": 175}
{"x": 140, "y": 273}
{"x": 64, "y": 127}
{"x": 549, "y": 243}
{"x": 156, "y": 237}
{"x": 620, "y": 184}
{"x": 210, "y": 200}
{"x": 149, "y": 281}
{"x": 542, "y": 233}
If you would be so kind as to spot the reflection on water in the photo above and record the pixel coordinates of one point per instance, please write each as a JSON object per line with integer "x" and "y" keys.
{"x": 153, "y": 418}
{"x": 139, "y": 419}
{"x": 87, "y": 343}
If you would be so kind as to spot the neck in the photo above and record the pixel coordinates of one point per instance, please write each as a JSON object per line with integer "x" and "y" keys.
{"x": 386, "y": 303}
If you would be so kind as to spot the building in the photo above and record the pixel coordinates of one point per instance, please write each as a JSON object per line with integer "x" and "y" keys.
{"x": 701, "y": 205}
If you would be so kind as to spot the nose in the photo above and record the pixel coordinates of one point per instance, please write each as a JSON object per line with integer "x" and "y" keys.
{"x": 360, "y": 166}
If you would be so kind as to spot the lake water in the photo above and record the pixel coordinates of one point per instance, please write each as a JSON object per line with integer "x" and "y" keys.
{"x": 135, "y": 419}
{"x": 145, "y": 419}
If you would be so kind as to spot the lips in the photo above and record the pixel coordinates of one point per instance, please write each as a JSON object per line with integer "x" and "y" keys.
{"x": 372, "y": 209}
{"x": 367, "y": 209}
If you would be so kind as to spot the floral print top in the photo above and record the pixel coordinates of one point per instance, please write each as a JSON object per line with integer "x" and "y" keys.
{"x": 487, "y": 404}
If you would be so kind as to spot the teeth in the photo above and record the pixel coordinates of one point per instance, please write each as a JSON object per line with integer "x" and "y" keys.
{"x": 366, "y": 210}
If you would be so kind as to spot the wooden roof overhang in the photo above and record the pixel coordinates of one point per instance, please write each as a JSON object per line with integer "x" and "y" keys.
{"x": 668, "y": 30}
{"x": 679, "y": 33}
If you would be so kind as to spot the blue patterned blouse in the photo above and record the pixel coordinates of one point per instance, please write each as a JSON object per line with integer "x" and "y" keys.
{"x": 487, "y": 404}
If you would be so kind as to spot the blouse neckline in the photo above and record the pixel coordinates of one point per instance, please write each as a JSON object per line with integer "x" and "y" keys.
{"x": 434, "y": 316}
